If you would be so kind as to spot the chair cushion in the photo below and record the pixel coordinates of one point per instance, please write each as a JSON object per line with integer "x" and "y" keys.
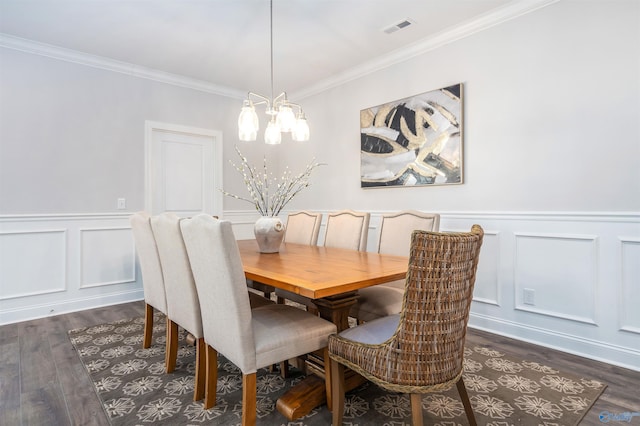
{"x": 282, "y": 332}
{"x": 377, "y": 302}
{"x": 373, "y": 332}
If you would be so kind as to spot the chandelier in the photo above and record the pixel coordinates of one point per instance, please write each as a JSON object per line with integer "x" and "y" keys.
{"x": 280, "y": 111}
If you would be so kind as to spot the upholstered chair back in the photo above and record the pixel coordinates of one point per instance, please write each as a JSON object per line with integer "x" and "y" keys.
{"x": 347, "y": 229}
{"x": 218, "y": 272}
{"x": 182, "y": 297}
{"x": 303, "y": 228}
{"x": 396, "y": 229}
{"x": 152, "y": 280}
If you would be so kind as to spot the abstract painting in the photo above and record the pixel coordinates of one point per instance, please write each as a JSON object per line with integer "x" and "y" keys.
{"x": 414, "y": 141}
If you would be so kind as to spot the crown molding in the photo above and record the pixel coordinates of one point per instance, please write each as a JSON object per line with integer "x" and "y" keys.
{"x": 488, "y": 20}
{"x": 466, "y": 29}
{"x": 69, "y": 55}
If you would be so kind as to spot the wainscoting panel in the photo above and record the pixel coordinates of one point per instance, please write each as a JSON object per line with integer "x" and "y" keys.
{"x": 32, "y": 263}
{"x": 52, "y": 264}
{"x": 582, "y": 267}
{"x": 630, "y": 292}
{"x": 556, "y": 275}
{"x": 108, "y": 257}
{"x": 487, "y": 287}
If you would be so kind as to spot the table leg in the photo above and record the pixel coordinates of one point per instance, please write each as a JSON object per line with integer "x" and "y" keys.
{"x": 310, "y": 392}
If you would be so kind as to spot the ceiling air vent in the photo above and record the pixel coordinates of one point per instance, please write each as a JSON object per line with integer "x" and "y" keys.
{"x": 397, "y": 26}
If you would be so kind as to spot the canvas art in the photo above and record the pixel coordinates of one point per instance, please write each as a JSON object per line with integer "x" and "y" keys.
{"x": 413, "y": 141}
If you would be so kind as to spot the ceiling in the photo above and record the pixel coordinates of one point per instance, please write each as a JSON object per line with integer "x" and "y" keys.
{"x": 226, "y": 42}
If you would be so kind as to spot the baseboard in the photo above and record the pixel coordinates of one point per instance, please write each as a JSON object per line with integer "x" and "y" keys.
{"x": 575, "y": 345}
{"x": 44, "y": 310}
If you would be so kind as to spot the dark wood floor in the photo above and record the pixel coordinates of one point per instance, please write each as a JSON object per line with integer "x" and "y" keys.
{"x": 42, "y": 381}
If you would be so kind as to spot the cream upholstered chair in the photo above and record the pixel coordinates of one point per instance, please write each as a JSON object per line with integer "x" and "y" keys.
{"x": 347, "y": 229}
{"x": 251, "y": 339}
{"x": 421, "y": 349}
{"x": 394, "y": 238}
{"x": 152, "y": 280}
{"x": 303, "y": 227}
{"x": 182, "y": 297}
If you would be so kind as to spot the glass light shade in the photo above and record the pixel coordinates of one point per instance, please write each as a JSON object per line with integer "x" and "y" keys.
{"x": 300, "y": 132}
{"x": 248, "y": 123}
{"x": 272, "y": 135}
{"x": 286, "y": 119}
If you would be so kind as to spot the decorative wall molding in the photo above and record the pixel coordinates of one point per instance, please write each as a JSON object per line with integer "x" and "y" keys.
{"x": 550, "y": 261}
{"x": 108, "y": 64}
{"x": 32, "y": 262}
{"x": 466, "y": 29}
{"x": 89, "y": 263}
{"x": 630, "y": 285}
{"x": 107, "y": 257}
{"x": 599, "y": 253}
{"x": 481, "y": 23}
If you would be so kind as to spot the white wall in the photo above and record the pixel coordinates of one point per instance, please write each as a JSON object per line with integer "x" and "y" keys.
{"x": 552, "y": 106}
{"x": 551, "y": 169}
{"x": 72, "y": 136}
{"x": 552, "y": 172}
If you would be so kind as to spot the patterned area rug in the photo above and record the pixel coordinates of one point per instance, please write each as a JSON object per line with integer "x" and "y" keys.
{"x": 134, "y": 390}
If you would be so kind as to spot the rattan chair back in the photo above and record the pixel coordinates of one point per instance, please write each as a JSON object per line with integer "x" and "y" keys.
{"x": 425, "y": 353}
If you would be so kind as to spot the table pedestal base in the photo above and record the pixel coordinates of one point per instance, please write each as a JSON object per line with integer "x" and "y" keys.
{"x": 310, "y": 392}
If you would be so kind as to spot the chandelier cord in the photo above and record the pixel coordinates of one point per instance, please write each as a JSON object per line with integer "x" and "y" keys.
{"x": 271, "y": 47}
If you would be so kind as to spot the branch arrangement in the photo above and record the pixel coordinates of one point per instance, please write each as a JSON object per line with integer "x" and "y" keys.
{"x": 267, "y": 193}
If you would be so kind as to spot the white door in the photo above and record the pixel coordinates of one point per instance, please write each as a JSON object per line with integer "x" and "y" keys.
{"x": 183, "y": 169}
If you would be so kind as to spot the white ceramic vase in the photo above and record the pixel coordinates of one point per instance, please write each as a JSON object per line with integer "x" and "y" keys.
{"x": 269, "y": 232}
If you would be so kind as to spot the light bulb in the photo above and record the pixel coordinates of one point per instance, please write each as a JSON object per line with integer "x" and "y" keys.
{"x": 248, "y": 122}
{"x": 300, "y": 132}
{"x": 272, "y": 135}
{"x": 286, "y": 119}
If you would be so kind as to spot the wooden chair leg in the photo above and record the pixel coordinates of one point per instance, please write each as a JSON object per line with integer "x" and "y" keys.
{"x": 337, "y": 392}
{"x": 462, "y": 390}
{"x": 212, "y": 377}
{"x": 249, "y": 402}
{"x": 201, "y": 370}
{"x": 171, "y": 355}
{"x": 148, "y": 326}
{"x": 416, "y": 409}
{"x": 327, "y": 377}
{"x": 284, "y": 369}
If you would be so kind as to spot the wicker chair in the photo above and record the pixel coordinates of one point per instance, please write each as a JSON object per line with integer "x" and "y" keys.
{"x": 421, "y": 349}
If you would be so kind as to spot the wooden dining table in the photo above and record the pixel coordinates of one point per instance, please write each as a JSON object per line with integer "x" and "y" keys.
{"x": 331, "y": 277}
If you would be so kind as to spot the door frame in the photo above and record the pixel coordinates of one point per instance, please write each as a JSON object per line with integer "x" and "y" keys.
{"x": 152, "y": 126}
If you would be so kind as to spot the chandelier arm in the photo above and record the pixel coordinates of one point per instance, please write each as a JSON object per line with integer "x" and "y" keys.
{"x": 263, "y": 99}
